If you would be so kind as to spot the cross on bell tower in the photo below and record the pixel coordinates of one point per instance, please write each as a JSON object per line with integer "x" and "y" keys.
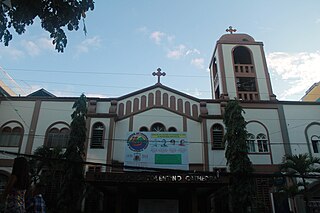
{"x": 231, "y": 30}
{"x": 159, "y": 74}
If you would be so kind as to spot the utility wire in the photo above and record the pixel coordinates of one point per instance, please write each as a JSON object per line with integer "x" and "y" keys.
{"x": 259, "y": 174}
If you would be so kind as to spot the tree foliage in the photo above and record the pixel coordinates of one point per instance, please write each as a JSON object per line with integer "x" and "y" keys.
{"x": 53, "y": 14}
{"x": 241, "y": 183}
{"x": 45, "y": 170}
{"x": 43, "y": 162}
{"x": 302, "y": 165}
{"x": 73, "y": 183}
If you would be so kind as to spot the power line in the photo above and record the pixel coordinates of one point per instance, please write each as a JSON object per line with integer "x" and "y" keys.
{"x": 100, "y": 73}
{"x": 164, "y": 116}
{"x": 15, "y": 109}
{"x": 152, "y": 169}
{"x": 124, "y": 140}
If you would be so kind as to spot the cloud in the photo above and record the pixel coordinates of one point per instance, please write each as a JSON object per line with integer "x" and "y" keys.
{"x": 177, "y": 52}
{"x": 27, "y": 47}
{"x": 157, "y": 36}
{"x": 192, "y": 52}
{"x": 194, "y": 92}
{"x": 143, "y": 30}
{"x": 300, "y": 70}
{"x": 198, "y": 62}
{"x": 31, "y": 48}
{"x": 87, "y": 44}
{"x": 46, "y": 43}
{"x": 170, "y": 38}
{"x": 174, "y": 51}
{"x": 11, "y": 52}
{"x": 36, "y": 47}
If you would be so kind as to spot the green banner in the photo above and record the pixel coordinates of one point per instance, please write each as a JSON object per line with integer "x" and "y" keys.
{"x": 168, "y": 159}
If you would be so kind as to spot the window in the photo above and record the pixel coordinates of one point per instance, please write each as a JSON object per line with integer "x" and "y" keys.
{"x": 10, "y": 137}
{"x": 315, "y": 143}
{"x": 158, "y": 127}
{"x": 262, "y": 143}
{"x": 258, "y": 143}
{"x": 97, "y": 135}
{"x": 242, "y": 55}
{"x": 217, "y": 136}
{"x": 58, "y": 137}
{"x": 246, "y": 84}
{"x": 250, "y": 143}
{"x": 143, "y": 129}
{"x": 172, "y": 129}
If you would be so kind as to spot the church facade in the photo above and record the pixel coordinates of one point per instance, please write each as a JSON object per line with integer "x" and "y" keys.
{"x": 175, "y": 138}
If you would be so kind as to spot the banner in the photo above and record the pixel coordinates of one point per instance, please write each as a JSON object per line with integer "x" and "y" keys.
{"x": 167, "y": 150}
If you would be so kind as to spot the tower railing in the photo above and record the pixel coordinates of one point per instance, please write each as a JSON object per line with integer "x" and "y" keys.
{"x": 244, "y": 68}
{"x": 252, "y": 96}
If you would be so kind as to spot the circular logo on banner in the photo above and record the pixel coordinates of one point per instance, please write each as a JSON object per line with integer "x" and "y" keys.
{"x": 137, "y": 142}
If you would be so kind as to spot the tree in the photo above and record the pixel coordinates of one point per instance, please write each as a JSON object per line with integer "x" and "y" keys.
{"x": 45, "y": 170}
{"x": 301, "y": 165}
{"x": 241, "y": 183}
{"x": 73, "y": 183}
{"x": 53, "y": 14}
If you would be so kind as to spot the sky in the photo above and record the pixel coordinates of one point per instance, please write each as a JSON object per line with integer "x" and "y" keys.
{"x": 128, "y": 40}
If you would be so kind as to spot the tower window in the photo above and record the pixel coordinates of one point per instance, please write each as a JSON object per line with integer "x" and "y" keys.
{"x": 242, "y": 55}
{"x": 217, "y": 93}
{"x": 246, "y": 84}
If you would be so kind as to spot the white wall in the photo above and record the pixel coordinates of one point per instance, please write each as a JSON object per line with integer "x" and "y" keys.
{"x": 298, "y": 117}
{"x": 270, "y": 119}
{"x": 20, "y": 111}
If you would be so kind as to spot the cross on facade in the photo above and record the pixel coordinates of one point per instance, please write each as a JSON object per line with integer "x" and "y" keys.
{"x": 231, "y": 30}
{"x": 159, "y": 74}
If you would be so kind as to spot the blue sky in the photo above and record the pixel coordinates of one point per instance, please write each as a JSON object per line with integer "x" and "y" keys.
{"x": 128, "y": 40}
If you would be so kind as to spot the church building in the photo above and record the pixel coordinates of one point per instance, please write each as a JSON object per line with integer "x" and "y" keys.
{"x": 161, "y": 150}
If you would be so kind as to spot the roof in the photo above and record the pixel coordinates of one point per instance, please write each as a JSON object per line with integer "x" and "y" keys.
{"x": 157, "y": 85}
{"x": 41, "y": 93}
{"x": 237, "y": 37}
{"x": 5, "y": 90}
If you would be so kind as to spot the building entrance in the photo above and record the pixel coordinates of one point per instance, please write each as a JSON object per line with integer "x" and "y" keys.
{"x": 158, "y": 206}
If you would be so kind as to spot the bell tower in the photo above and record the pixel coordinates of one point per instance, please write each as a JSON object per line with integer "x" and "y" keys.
{"x": 238, "y": 69}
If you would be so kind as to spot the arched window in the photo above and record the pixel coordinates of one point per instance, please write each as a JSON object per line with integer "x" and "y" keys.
{"x": 158, "y": 127}
{"x": 10, "y": 137}
{"x": 315, "y": 140}
{"x": 97, "y": 135}
{"x": 262, "y": 143}
{"x": 217, "y": 136}
{"x": 251, "y": 143}
{"x": 58, "y": 137}
{"x": 143, "y": 129}
{"x": 241, "y": 55}
{"x": 172, "y": 129}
